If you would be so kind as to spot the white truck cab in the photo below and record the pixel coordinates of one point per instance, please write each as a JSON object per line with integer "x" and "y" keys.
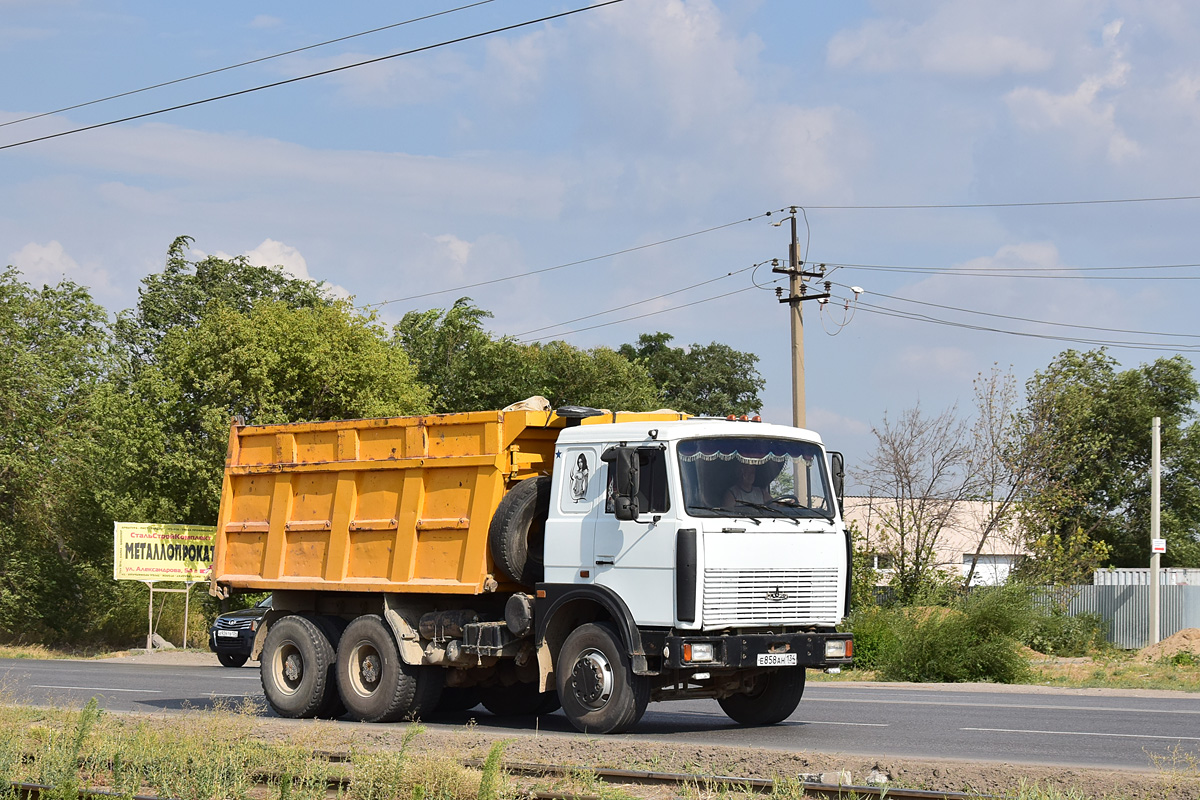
{"x": 716, "y": 546}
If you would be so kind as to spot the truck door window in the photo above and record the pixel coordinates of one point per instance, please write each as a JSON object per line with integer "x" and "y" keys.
{"x": 653, "y": 494}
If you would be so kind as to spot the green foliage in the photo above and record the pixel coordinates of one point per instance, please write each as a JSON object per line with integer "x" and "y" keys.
{"x": 1057, "y": 633}
{"x": 492, "y": 775}
{"x": 976, "y": 640}
{"x": 1086, "y": 437}
{"x": 711, "y": 379}
{"x": 273, "y": 363}
{"x": 864, "y": 576}
{"x": 54, "y": 356}
{"x": 469, "y": 370}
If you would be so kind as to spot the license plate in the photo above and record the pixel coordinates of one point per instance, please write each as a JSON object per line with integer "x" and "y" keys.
{"x": 229, "y": 634}
{"x": 777, "y": 659}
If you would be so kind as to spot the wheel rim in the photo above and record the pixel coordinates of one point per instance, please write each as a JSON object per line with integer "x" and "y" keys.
{"x": 289, "y": 668}
{"x": 366, "y": 669}
{"x": 592, "y": 679}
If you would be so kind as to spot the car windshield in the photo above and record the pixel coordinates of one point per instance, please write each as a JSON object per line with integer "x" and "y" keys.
{"x": 756, "y": 477}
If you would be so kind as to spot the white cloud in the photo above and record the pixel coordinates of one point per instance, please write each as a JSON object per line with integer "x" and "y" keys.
{"x": 265, "y": 21}
{"x": 49, "y": 264}
{"x": 957, "y": 39}
{"x": 455, "y": 249}
{"x": 282, "y": 257}
{"x": 1085, "y": 113}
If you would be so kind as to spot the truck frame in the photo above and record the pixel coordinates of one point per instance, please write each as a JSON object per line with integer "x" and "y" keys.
{"x": 531, "y": 558}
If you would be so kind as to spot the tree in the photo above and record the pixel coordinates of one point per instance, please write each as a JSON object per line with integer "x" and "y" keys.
{"x": 180, "y": 295}
{"x": 922, "y": 468}
{"x": 1086, "y": 437}
{"x": 711, "y": 379}
{"x": 468, "y": 369}
{"x": 1000, "y": 472}
{"x": 271, "y": 364}
{"x": 54, "y": 354}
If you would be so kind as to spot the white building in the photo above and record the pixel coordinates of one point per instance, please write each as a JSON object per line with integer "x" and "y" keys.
{"x": 955, "y": 544}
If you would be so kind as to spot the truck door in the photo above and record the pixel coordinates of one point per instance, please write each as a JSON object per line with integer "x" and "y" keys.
{"x": 577, "y": 502}
{"x": 636, "y": 559}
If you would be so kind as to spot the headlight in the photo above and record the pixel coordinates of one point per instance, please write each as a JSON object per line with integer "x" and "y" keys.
{"x": 701, "y": 651}
{"x": 839, "y": 648}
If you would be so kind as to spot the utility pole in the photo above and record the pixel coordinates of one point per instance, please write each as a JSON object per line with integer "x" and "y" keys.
{"x": 797, "y": 293}
{"x": 1156, "y": 543}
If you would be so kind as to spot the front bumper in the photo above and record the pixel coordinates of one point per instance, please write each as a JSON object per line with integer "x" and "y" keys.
{"x": 242, "y": 643}
{"x": 742, "y": 651}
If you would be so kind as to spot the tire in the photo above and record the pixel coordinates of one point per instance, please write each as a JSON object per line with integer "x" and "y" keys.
{"x": 520, "y": 700}
{"x": 296, "y": 668}
{"x": 517, "y": 534}
{"x": 596, "y": 684}
{"x": 332, "y": 627}
{"x": 775, "y": 695}
{"x": 375, "y": 685}
{"x": 457, "y": 698}
{"x": 233, "y": 660}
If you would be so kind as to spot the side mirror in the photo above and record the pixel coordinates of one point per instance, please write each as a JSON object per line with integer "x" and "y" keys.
{"x": 837, "y": 464}
{"x": 626, "y": 480}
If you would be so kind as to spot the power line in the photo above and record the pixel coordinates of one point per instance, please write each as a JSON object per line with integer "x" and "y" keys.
{"x": 917, "y": 206}
{"x": 1158, "y": 346}
{"x": 243, "y": 64}
{"x": 330, "y": 71}
{"x": 1028, "y": 319}
{"x": 642, "y": 302}
{"x": 588, "y": 260}
{"x": 1032, "y": 272}
{"x": 643, "y": 316}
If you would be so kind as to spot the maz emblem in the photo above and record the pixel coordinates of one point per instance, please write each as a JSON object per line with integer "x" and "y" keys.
{"x": 776, "y": 596}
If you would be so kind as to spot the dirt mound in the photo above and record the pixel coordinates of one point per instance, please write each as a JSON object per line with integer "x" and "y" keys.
{"x": 1185, "y": 641}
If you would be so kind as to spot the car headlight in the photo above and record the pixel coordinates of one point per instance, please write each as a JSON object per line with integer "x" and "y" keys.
{"x": 700, "y": 651}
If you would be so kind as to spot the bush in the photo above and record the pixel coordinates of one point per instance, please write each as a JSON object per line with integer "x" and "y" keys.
{"x": 1059, "y": 634}
{"x": 874, "y": 632}
{"x": 977, "y": 640}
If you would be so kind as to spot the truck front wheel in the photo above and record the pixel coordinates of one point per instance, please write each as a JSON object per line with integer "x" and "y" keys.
{"x": 376, "y": 686}
{"x": 596, "y": 684}
{"x": 296, "y": 669}
{"x": 773, "y": 698}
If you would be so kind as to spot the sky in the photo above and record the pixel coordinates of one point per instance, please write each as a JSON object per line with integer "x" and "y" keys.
{"x": 623, "y": 161}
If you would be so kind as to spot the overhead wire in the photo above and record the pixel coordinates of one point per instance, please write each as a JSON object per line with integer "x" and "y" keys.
{"x": 576, "y": 263}
{"x": 244, "y": 63}
{"x": 640, "y": 302}
{"x": 318, "y": 74}
{"x": 1026, "y": 204}
{"x": 1033, "y": 272}
{"x": 1029, "y": 319}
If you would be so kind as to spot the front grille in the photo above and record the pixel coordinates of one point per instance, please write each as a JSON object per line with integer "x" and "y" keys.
{"x": 741, "y": 598}
{"x": 235, "y": 624}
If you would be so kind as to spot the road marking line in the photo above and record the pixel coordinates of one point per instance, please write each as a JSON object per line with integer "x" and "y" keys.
{"x": 1088, "y": 733}
{"x": 853, "y": 724}
{"x": 99, "y": 689}
{"x": 1117, "y": 709}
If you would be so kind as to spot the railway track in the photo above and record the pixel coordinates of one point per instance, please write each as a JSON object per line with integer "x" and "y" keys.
{"x": 33, "y": 791}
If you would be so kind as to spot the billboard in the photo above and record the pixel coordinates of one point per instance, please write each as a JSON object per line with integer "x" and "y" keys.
{"x": 150, "y": 552}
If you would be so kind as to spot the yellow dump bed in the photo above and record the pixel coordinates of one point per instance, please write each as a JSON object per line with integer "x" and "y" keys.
{"x": 376, "y": 505}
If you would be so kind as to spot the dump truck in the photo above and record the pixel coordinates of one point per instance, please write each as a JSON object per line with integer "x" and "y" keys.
{"x": 530, "y": 558}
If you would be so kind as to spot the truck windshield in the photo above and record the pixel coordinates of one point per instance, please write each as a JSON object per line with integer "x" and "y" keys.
{"x": 754, "y": 477}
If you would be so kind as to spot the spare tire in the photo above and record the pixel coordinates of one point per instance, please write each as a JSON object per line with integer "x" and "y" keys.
{"x": 518, "y": 531}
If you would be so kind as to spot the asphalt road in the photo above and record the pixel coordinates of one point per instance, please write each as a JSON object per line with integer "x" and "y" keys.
{"x": 1077, "y": 728}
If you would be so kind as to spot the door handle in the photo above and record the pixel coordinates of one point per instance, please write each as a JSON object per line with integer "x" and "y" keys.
{"x": 604, "y": 562}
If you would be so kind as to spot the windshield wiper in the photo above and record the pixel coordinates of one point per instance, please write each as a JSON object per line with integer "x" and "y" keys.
{"x": 725, "y": 512}
{"x": 762, "y": 507}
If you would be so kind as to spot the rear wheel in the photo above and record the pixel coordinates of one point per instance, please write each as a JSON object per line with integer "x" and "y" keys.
{"x": 519, "y": 700}
{"x": 232, "y": 659}
{"x": 296, "y": 668}
{"x": 332, "y": 627}
{"x": 773, "y": 698}
{"x": 375, "y": 685}
{"x": 596, "y": 684}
